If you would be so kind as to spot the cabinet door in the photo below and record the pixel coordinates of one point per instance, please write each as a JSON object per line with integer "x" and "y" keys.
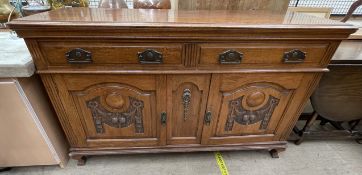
{"x": 115, "y": 110}
{"x": 247, "y": 107}
{"x": 186, "y": 103}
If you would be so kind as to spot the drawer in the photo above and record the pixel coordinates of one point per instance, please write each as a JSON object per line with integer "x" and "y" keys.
{"x": 103, "y": 53}
{"x": 266, "y": 54}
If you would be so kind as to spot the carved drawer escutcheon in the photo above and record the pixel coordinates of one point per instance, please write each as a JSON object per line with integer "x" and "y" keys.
{"x": 117, "y": 119}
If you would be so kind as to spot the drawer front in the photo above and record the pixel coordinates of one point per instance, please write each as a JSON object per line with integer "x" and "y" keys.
{"x": 111, "y": 110}
{"x": 266, "y": 54}
{"x": 247, "y": 107}
{"x": 106, "y": 53}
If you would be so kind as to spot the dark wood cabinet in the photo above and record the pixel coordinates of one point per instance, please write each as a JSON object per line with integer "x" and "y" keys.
{"x": 131, "y": 81}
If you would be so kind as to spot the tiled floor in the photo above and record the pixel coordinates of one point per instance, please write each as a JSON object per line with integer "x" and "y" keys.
{"x": 310, "y": 158}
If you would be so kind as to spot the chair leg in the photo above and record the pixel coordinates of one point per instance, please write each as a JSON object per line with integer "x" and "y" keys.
{"x": 323, "y": 121}
{"x": 351, "y": 9}
{"x": 337, "y": 125}
{"x": 354, "y": 124}
{"x": 296, "y": 130}
{"x": 359, "y": 137}
{"x": 306, "y": 128}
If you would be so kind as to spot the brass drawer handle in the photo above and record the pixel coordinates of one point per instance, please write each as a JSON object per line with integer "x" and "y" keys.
{"x": 150, "y": 56}
{"x": 230, "y": 57}
{"x": 294, "y": 56}
{"x": 79, "y": 56}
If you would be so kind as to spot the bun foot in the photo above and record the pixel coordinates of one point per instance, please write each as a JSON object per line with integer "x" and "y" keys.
{"x": 274, "y": 153}
{"x": 81, "y": 160}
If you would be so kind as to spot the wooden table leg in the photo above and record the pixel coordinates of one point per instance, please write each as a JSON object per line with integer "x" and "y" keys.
{"x": 306, "y": 128}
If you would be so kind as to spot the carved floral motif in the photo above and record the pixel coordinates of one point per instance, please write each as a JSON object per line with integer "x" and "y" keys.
{"x": 247, "y": 117}
{"x": 117, "y": 119}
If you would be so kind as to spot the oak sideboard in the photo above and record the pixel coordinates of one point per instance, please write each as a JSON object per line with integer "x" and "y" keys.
{"x": 150, "y": 81}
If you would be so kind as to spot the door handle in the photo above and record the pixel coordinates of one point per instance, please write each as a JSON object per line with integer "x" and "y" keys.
{"x": 163, "y": 118}
{"x": 207, "y": 119}
{"x": 186, "y": 101}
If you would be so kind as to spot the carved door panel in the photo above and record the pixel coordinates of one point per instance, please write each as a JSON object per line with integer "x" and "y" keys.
{"x": 186, "y": 103}
{"x": 118, "y": 110}
{"x": 247, "y": 107}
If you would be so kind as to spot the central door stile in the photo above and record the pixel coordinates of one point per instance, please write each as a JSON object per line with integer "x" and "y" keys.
{"x": 161, "y": 96}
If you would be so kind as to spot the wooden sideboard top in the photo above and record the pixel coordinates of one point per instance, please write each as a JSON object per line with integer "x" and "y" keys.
{"x": 169, "y": 18}
{"x": 169, "y": 24}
